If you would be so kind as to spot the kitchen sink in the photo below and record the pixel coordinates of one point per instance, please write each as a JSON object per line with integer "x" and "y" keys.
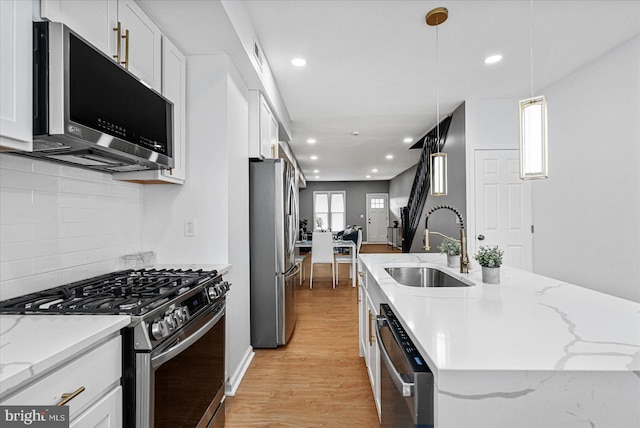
{"x": 426, "y": 277}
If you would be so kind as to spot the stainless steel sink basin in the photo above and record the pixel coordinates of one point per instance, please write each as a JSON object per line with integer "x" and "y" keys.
{"x": 426, "y": 277}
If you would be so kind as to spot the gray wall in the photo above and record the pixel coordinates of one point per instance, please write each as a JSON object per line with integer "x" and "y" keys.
{"x": 399, "y": 190}
{"x": 443, "y": 221}
{"x": 356, "y": 199}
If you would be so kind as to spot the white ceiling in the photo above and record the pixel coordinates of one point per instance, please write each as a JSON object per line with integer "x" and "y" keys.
{"x": 371, "y": 65}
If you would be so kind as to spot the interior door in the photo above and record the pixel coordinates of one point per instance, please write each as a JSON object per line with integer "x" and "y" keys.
{"x": 503, "y": 206}
{"x": 377, "y": 217}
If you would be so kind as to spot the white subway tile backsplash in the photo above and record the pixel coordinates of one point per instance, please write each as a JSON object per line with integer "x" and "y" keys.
{"x": 17, "y": 163}
{"x": 47, "y": 168}
{"x": 15, "y": 269}
{"x": 28, "y": 215}
{"x": 16, "y": 197}
{"x": 73, "y": 172}
{"x": 30, "y": 284}
{"x": 28, "y": 180}
{"x": 15, "y": 232}
{"x": 125, "y": 190}
{"x": 60, "y": 224}
{"x": 29, "y": 249}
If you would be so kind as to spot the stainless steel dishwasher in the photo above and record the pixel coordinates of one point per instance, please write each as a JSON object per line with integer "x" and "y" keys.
{"x": 406, "y": 382}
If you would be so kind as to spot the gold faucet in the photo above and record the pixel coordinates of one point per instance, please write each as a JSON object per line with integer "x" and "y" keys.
{"x": 464, "y": 258}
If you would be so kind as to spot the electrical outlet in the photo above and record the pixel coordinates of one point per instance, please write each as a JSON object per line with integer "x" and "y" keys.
{"x": 190, "y": 227}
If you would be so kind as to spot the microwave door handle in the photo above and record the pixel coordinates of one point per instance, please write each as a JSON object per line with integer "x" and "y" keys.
{"x": 405, "y": 387}
{"x": 159, "y": 360}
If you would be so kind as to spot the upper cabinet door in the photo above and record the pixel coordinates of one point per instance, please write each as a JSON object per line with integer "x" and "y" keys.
{"x": 94, "y": 20}
{"x": 16, "y": 49}
{"x": 174, "y": 80}
{"x": 97, "y": 22}
{"x": 144, "y": 39}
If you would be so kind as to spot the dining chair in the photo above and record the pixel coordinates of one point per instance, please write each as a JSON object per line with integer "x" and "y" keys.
{"x": 347, "y": 258}
{"x": 322, "y": 252}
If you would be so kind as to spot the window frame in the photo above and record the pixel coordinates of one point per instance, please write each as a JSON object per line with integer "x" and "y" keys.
{"x": 329, "y": 193}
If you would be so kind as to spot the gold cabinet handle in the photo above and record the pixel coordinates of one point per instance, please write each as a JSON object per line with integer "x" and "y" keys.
{"x": 68, "y": 397}
{"x": 118, "y": 31}
{"x": 126, "y": 49}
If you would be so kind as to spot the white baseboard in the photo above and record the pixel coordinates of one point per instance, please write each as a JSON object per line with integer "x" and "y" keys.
{"x": 236, "y": 378}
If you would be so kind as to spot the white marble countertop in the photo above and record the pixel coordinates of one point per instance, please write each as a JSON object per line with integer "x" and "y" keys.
{"x": 30, "y": 345}
{"x": 527, "y": 322}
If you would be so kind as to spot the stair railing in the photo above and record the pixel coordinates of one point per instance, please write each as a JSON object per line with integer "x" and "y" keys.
{"x": 412, "y": 213}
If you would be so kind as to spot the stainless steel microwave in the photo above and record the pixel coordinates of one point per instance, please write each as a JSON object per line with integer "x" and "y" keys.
{"x": 90, "y": 112}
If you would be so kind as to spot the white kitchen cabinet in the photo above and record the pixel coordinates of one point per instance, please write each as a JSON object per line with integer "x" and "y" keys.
{"x": 145, "y": 43}
{"x": 16, "y": 114}
{"x": 368, "y": 309}
{"x": 263, "y": 128}
{"x": 106, "y": 413}
{"x": 93, "y": 20}
{"x": 99, "y": 397}
{"x": 97, "y": 21}
{"x": 174, "y": 88}
{"x": 373, "y": 353}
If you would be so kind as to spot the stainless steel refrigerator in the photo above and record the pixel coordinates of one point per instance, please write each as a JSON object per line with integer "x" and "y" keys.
{"x": 273, "y": 222}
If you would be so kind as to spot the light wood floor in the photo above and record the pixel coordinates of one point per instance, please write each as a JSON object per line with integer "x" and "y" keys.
{"x": 317, "y": 379}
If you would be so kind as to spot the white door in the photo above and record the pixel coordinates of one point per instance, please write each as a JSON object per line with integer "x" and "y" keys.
{"x": 377, "y": 217}
{"x": 503, "y": 206}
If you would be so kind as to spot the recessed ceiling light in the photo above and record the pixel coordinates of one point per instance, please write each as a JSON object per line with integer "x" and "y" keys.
{"x": 389, "y": 156}
{"x": 355, "y": 133}
{"x": 313, "y": 157}
{"x": 315, "y": 171}
{"x": 492, "y": 59}
{"x": 374, "y": 170}
{"x": 299, "y": 62}
{"x": 408, "y": 140}
{"x": 311, "y": 141}
{"x": 317, "y": 176}
{"x": 368, "y": 176}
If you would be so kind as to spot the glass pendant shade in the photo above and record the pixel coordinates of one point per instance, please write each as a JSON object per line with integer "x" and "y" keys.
{"x": 438, "y": 174}
{"x": 533, "y": 138}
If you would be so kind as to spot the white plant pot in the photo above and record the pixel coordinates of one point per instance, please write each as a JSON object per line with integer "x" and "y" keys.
{"x": 453, "y": 261}
{"x": 491, "y": 275}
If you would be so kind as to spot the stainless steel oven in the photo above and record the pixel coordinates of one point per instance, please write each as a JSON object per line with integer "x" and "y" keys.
{"x": 181, "y": 384}
{"x": 173, "y": 350}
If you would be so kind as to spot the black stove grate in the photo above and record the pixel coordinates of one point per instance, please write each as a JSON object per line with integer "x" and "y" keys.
{"x": 131, "y": 292}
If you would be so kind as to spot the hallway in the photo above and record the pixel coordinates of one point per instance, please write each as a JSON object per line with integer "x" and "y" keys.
{"x": 317, "y": 379}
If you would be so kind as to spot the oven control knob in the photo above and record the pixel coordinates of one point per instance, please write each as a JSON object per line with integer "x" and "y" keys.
{"x": 213, "y": 292}
{"x": 159, "y": 329}
{"x": 179, "y": 316}
{"x": 170, "y": 321}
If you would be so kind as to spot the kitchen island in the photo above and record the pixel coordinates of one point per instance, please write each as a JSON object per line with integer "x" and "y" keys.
{"x": 530, "y": 352}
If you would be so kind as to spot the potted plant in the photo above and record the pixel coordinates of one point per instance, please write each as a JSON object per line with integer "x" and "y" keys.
{"x": 451, "y": 248}
{"x": 490, "y": 258}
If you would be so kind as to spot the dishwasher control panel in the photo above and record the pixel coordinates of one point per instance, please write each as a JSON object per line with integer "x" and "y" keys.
{"x": 399, "y": 333}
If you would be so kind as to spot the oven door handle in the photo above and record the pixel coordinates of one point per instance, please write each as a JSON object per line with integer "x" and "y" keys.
{"x": 160, "y": 359}
{"x": 405, "y": 388}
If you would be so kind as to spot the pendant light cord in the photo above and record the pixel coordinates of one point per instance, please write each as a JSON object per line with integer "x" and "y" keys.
{"x": 437, "y": 90}
{"x": 531, "y": 43}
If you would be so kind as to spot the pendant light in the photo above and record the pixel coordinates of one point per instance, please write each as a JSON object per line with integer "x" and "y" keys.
{"x": 438, "y": 160}
{"x": 533, "y": 126}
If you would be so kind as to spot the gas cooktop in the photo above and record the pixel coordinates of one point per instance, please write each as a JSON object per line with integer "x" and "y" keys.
{"x": 131, "y": 292}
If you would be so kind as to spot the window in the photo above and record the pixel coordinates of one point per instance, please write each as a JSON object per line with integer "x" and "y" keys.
{"x": 329, "y": 210}
{"x": 377, "y": 203}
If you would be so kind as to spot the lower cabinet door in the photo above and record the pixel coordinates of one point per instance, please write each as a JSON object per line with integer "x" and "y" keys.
{"x": 106, "y": 413}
